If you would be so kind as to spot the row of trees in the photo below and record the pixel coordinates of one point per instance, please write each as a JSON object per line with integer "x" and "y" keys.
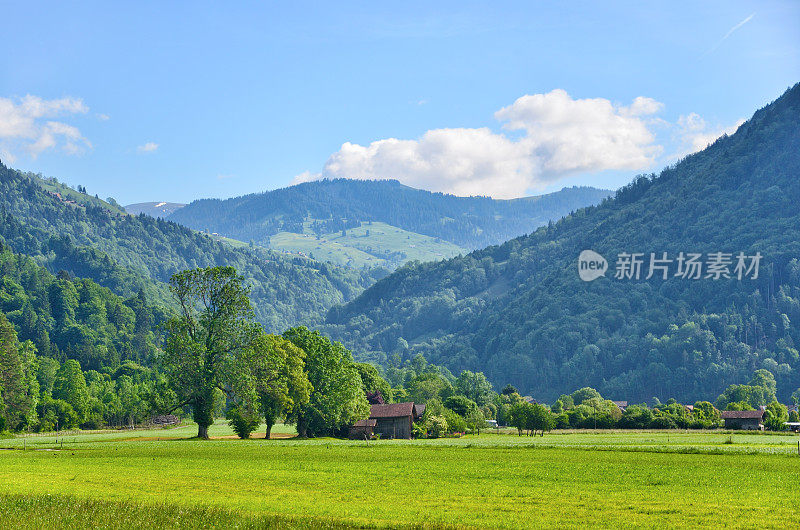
{"x": 218, "y": 360}
{"x": 214, "y": 344}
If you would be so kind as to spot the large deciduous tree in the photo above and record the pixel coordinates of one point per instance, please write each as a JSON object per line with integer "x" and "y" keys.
{"x": 338, "y": 398}
{"x": 272, "y": 379}
{"x": 213, "y": 327}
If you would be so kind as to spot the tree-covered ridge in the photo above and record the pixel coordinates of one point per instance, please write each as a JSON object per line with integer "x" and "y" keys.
{"x": 520, "y": 313}
{"x": 127, "y": 253}
{"x": 73, "y": 318}
{"x": 470, "y": 222}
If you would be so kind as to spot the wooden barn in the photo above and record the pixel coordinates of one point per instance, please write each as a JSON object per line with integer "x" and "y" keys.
{"x": 392, "y": 420}
{"x": 362, "y": 430}
{"x": 744, "y": 420}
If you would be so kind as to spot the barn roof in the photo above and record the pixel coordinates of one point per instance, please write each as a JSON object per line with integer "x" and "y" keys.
{"x": 392, "y": 410}
{"x": 742, "y": 414}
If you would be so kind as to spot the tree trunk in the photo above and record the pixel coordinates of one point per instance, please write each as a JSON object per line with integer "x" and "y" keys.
{"x": 202, "y": 432}
{"x": 269, "y": 431}
{"x": 302, "y": 430}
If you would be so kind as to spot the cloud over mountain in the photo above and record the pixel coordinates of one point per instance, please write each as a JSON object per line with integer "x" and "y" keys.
{"x": 546, "y": 137}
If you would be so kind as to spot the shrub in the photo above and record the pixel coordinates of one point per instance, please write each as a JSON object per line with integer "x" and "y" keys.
{"x": 242, "y": 423}
{"x": 437, "y": 426}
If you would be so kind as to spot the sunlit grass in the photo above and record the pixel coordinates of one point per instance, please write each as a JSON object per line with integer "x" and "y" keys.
{"x": 639, "y": 478}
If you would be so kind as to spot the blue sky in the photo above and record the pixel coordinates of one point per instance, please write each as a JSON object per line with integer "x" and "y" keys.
{"x": 187, "y": 100}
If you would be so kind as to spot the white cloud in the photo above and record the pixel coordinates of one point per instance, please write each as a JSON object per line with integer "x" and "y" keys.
{"x": 694, "y": 134}
{"x": 224, "y": 176}
{"x": 149, "y": 147}
{"x": 27, "y": 126}
{"x": 103, "y": 117}
{"x": 306, "y": 176}
{"x": 560, "y": 136}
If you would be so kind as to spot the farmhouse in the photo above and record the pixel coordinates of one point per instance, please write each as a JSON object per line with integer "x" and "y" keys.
{"x": 393, "y": 420}
{"x": 745, "y": 420}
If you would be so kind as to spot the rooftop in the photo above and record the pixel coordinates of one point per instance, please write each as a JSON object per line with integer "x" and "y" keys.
{"x": 392, "y": 410}
{"x": 742, "y": 414}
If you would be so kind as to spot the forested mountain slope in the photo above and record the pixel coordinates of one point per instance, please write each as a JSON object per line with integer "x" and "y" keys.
{"x": 92, "y": 239}
{"x": 74, "y": 318}
{"x": 469, "y": 222}
{"x": 520, "y": 313}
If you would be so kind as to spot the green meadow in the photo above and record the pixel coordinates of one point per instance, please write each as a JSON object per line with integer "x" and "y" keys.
{"x": 371, "y": 245}
{"x": 567, "y": 479}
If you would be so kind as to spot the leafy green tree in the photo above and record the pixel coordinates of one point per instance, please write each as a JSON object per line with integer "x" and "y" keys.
{"x": 19, "y": 389}
{"x": 518, "y": 416}
{"x": 46, "y": 374}
{"x": 373, "y": 381}
{"x": 213, "y": 326}
{"x": 636, "y": 417}
{"x": 275, "y": 368}
{"x": 739, "y": 405}
{"x": 539, "y": 419}
{"x": 706, "y": 411}
{"x": 70, "y": 387}
{"x": 775, "y": 416}
{"x": 758, "y": 392}
{"x": 474, "y": 386}
{"x": 563, "y": 403}
{"x": 584, "y": 394}
{"x": 461, "y": 405}
{"x": 56, "y": 414}
{"x": 242, "y": 421}
{"x": 338, "y": 398}
{"x": 429, "y": 385}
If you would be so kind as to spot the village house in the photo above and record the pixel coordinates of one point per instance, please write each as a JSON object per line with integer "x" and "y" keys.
{"x": 743, "y": 420}
{"x": 621, "y": 405}
{"x": 392, "y": 420}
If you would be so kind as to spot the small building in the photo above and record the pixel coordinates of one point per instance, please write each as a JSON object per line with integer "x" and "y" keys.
{"x": 362, "y": 430}
{"x": 394, "y": 420}
{"x": 792, "y": 425}
{"x": 389, "y": 420}
{"x": 621, "y": 405}
{"x": 743, "y": 420}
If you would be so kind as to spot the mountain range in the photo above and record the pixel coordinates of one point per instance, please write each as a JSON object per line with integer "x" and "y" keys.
{"x": 369, "y": 223}
{"x": 520, "y": 313}
{"x": 516, "y": 309}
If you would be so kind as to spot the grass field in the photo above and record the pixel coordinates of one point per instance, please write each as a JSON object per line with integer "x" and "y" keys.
{"x": 570, "y": 479}
{"x": 357, "y": 249}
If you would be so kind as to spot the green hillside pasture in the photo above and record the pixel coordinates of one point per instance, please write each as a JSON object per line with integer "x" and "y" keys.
{"x": 81, "y": 198}
{"x": 565, "y": 480}
{"x": 386, "y": 246}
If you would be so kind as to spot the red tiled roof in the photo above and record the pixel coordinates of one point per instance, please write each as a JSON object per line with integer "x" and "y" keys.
{"x": 742, "y": 414}
{"x": 392, "y": 410}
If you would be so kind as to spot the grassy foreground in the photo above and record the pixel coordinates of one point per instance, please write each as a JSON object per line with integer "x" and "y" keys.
{"x": 565, "y": 480}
